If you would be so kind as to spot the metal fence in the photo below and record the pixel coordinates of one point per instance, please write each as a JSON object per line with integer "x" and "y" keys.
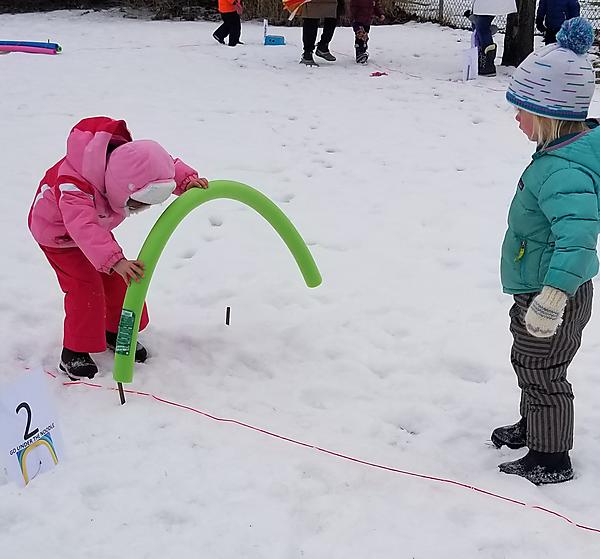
{"x": 450, "y": 12}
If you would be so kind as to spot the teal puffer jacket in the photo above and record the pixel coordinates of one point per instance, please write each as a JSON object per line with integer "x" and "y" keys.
{"x": 554, "y": 221}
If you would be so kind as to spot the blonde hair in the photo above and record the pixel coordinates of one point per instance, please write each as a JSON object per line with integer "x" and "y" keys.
{"x": 546, "y": 130}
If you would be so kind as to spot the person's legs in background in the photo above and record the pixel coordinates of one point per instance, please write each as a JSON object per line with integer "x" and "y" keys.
{"x": 235, "y": 26}
{"x": 483, "y": 29}
{"x": 550, "y": 36}
{"x": 310, "y": 28}
{"x": 485, "y": 44}
{"x": 223, "y": 30}
{"x": 329, "y": 25}
{"x": 361, "y": 39}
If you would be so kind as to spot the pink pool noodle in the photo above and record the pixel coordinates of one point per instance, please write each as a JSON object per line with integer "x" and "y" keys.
{"x": 31, "y": 50}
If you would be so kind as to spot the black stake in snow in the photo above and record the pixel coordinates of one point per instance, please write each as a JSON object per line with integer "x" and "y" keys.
{"x": 121, "y": 393}
{"x": 227, "y": 314}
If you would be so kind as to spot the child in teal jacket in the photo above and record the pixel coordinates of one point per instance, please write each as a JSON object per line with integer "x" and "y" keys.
{"x": 549, "y": 251}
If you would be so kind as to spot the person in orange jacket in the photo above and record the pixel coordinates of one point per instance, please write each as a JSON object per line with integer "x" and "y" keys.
{"x": 230, "y": 11}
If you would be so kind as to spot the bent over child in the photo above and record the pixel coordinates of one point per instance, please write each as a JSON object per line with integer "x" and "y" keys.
{"x": 104, "y": 177}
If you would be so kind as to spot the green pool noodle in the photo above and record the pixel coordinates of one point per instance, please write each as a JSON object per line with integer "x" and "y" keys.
{"x": 159, "y": 236}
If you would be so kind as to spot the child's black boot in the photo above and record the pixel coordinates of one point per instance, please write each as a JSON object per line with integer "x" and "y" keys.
{"x": 361, "y": 38}
{"x": 141, "y": 354}
{"x": 487, "y": 56}
{"x": 541, "y": 468}
{"x": 361, "y": 57}
{"x": 513, "y": 436}
{"x": 77, "y": 365}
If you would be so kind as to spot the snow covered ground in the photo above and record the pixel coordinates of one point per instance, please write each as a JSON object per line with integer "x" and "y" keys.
{"x": 400, "y": 184}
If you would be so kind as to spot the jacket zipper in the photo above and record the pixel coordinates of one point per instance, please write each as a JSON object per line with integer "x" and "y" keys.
{"x": 521, "y": 252}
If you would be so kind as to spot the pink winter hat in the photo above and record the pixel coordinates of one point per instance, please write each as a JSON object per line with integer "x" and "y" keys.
{"x": 141, "y": 170}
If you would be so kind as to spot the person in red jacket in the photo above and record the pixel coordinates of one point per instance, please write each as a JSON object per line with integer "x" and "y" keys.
{"x": 230, "y": 11}
{"x": 362, "y": 12}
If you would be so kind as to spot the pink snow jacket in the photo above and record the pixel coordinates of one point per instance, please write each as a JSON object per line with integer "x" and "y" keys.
{"x": 72, "y": 207}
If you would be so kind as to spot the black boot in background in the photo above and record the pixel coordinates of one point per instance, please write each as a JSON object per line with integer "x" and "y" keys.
{"x": 361, "y": 38}
{"x": 513, "y": 436}
{"x": 307, "y": 59}
{"x": 325, "y": 54}
{"x": 487, "y": 56}
{"x": 77, "y": 365}
{"x": 541, "y": 468}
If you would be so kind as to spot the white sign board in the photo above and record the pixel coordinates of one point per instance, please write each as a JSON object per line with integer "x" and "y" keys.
{"x": 471, "y": 60}
{"x": 470, "y": 63}
{"x": 30, "y": 441}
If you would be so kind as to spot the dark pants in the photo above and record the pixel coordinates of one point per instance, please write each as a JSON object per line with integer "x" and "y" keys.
{"x": 483, "y": 30}
{"x": 541, "y": 368}
{"x": 360, "y": 42}
{"x": 310, "y": 28}
{"x": 232, "y": 26}
{"x": 550, "y": 36}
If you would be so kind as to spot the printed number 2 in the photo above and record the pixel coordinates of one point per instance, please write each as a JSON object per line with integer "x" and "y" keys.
{"x": 25, "y": 406}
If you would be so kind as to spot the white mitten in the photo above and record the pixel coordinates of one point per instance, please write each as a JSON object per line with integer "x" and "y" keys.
{"x": 545, "y": 313}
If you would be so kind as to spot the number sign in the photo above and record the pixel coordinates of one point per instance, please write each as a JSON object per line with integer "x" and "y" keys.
{"x": 29, "y": 435}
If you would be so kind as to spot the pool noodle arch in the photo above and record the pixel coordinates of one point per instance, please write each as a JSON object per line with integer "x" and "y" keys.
{"x": 159, "y": 236}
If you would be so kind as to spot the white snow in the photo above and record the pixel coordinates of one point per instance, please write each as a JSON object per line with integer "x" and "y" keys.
{"x": 400, "y": 185}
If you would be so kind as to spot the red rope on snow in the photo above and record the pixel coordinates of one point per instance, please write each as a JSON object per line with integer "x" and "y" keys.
{"x": 331, "y": 452}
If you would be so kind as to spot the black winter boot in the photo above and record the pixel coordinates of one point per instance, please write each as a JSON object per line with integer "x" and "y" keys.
{"x": 361, "y": 38}
{"x": 141, "y": 354}
{"x": 361, "y": 57}
{"x": 307, "y": 59}
{"x": 513, "y": 436}
{"x": 325, "y": 54}
{"x": 486, "y": 59}
{"x": 541, "y": 468}
{"x": 77, "y": 365}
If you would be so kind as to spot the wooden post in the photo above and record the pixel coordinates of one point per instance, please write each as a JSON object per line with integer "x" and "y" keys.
{"x": 518, "y": 39}
{"x": 121, "y": 392}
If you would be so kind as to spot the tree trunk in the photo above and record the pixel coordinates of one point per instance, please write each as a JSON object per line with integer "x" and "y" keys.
{"x": 518, "y": 40}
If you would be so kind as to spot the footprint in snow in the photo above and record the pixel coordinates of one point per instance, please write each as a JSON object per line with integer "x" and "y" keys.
{"x": 188, "y": 253}
{"x": 285, "y": 198}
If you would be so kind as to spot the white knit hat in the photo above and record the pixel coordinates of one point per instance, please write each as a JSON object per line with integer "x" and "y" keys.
{"x": 557, "y": 81}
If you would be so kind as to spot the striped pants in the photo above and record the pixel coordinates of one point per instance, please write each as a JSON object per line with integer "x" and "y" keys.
{"x": 541, "y": 368}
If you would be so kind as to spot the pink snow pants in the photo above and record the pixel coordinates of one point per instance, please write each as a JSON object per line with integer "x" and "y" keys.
{"x": 93, "y": 300}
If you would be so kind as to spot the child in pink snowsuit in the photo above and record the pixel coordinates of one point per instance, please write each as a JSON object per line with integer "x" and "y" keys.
{"x": 104, "y": 177}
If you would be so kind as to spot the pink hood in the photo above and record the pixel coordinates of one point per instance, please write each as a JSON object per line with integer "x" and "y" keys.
{"x": 134, "y": 165}
{"x": 88, "y": 146}
{"x": 83, "y": 196}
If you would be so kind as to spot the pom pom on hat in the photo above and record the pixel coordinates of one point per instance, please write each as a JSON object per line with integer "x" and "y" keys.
{"x": 557, "y": 81}
{"x": 576, "y": 34}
